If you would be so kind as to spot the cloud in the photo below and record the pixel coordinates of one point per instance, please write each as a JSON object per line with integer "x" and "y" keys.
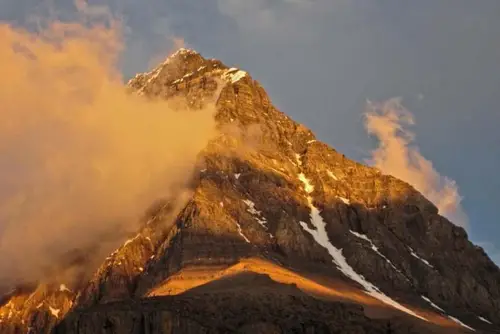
{"x": 80, "y": 158}
{"x": 148, "y": 31}
{"x": 399, "y": 156}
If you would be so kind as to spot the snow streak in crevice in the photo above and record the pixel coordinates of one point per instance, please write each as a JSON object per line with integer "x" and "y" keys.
{"x": 54, "y": 311}
{"x": 461, "y": 323}
{"x": 376, "y": 250}
{"x": 432, "y": 304}
{"x": 330, "y": 174}
{"x": 320, "y": 236}
{"x": 485, "y": 320}
{"x": 424, "y": 261}
{"x": 255, "y": 213}
{"x": 444, "y": 312}
{"x": 240, "y": 231}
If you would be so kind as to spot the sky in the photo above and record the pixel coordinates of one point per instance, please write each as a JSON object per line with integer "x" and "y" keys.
{"x": 321, "y": 60}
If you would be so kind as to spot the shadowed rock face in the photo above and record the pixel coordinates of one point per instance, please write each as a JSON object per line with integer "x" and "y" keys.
{"x": 254, "y": 190}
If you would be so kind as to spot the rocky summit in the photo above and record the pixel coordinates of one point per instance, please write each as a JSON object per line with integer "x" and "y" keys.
{"x": 280, "y": 233}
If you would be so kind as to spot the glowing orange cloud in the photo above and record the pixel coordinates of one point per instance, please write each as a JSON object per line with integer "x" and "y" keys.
{"x": 396, "y": 155}
{"x": 79, "y": 156}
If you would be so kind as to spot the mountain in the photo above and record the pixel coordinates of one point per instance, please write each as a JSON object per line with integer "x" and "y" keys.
{"x": 281, "y": 234}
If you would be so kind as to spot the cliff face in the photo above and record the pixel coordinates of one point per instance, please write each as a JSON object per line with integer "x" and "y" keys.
{"x": 281, "y": 234}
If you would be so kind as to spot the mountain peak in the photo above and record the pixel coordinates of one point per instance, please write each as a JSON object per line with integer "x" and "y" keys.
{"x": 185, "y": 66}
{"x": 183, "y": 51}
{"x": 180, "y": 54}
{"x": 277, "y": 219}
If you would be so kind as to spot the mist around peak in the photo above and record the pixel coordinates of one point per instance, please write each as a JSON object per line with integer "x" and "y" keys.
{"x": 81, "y": 158}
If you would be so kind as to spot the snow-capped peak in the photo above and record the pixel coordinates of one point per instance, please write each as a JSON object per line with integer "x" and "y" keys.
{"x": 180, "y": 52}
{"x": 234, "y": 75}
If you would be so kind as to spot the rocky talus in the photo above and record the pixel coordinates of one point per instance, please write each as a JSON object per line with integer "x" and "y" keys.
{"x": 280, "y": 234}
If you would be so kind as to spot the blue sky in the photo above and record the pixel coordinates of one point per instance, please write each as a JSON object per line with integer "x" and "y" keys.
{"x": 320, "y": 60}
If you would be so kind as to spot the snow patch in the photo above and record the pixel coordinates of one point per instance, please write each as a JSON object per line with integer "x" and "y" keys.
{"x": 155, "y": 74}
{"x": 251, "y": 207}
{"x": 237, "y": 176}
{"x": 234, "y": 75}
{"x": 320, "y": 236}
{"x": 449, "y": 316}
{"x": 298, "y": 158}
{"x": 484, "y": 320}
{"x": 461, "y": 323}
{"x": 424, "y": 261}
{"x": 343, "y": 199}
{"x": 330, "y": 174}
{"x": 63, "y": 287}
{"x": 257, "y": 214}
{"x": 312, "y": 141}
{"x": 308, "y": 187}
{"x": 54, "y": 311}
{"x": 432, "y": 304}
{"x": 240, "y": 231}
{"x": 181, "y": 51}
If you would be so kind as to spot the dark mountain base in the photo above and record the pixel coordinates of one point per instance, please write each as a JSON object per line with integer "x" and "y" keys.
{"x": 230, "y": 306}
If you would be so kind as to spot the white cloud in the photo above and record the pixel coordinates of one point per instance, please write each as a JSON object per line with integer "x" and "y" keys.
{"x": 398, "y": 155}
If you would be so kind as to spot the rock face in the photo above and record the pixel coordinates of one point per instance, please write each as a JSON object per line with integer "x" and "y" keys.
{"x": 341, "y": 248}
